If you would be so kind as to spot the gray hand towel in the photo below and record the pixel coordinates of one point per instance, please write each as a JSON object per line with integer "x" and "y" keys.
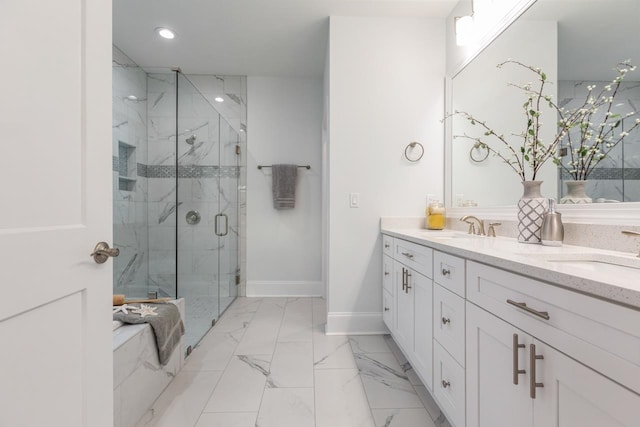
{"x": 284, "y": 186}
{"x": 167, "y": 327}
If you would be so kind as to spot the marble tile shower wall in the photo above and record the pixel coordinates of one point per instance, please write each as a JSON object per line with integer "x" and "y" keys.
{"x": 161, "y": 199}
{"x": 129, "y": 188}
{"x": 617, "y": 177}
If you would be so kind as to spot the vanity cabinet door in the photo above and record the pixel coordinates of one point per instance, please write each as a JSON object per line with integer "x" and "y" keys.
{"x": 422, "y": 360}
{"x": 576, "y": 396}
{"x": 404, "y": 314}
{"x": 493, "y": 400}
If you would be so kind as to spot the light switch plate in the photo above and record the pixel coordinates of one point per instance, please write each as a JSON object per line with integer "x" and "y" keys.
{"x": 354, "y": 200}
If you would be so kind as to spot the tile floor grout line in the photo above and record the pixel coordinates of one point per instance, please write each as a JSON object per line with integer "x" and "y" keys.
{"x": 228, "y": 362}
{"x": 313, "y": 370}
{"x": 362, "y": 382}
{"x": 266, "y": 383}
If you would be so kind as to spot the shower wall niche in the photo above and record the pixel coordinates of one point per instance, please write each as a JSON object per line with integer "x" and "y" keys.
{"x": 184, "y": 161}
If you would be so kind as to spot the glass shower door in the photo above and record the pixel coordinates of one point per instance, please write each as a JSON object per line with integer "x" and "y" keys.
{"x": 229, "y": 277}
{"x": 207, "y": 212}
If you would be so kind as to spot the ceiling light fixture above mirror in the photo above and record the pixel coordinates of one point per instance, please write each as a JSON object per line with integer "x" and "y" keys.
{"x": 464, "y": 30}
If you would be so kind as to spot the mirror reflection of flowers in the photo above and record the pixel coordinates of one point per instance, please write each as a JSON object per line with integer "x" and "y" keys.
{"x": 594, "y": 128}
{"x": 587, "y": 147}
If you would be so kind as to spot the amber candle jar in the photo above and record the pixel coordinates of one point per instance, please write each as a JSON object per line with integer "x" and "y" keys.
{"x": 436, "y": 215}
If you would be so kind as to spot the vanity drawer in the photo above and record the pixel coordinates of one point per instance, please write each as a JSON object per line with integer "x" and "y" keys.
{"x": 387, "y": 245}
{"x": 597, "y": 333}
{"x": 419, "y": 258}
{"x": 449, "y": 272}
{"x": 387, "y": 273}
{"x": 449, "y": 322}
{"x": 449, "y": 385}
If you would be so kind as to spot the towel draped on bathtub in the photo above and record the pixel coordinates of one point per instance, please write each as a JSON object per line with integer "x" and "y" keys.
{"x": 167, "y": 327}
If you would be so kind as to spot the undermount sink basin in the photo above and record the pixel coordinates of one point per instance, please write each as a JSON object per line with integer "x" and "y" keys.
{"x": 593, "y": 261}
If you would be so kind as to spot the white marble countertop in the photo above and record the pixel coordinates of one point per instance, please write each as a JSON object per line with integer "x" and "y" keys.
{"x": 610, "y": 282}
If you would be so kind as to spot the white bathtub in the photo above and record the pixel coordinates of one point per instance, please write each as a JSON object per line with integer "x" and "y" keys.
{"x": 138, "y": 377}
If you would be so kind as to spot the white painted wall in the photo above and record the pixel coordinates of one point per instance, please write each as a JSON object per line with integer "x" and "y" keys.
{"x": 386, "y": 90}
{"x": 284, "y": 247}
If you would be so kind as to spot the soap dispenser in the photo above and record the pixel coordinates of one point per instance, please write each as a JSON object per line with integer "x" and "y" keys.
{"x": 552, "y": 229}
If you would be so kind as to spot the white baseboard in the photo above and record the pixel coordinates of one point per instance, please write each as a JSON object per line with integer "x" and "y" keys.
{"x": 264, "y": 288}
{"x": 355, "y": 324}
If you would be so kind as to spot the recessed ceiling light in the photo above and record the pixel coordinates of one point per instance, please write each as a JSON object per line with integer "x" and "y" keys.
{"x": 165, "y": 33}
{"x": 132, "y": 98}
{"x": 219, "y": 99}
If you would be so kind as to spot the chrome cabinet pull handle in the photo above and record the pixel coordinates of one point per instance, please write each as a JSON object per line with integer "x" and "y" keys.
{"x": 386, "y": 309}
{"x": 523, "y": 306}
{"x": 445, "y": 384}
{"x": 408, "y": 286}
{"x": 404, "y": 278}
{"x": 386, "y": 246}
{"x": 102, "y": 252}
{"x": 408, "y": 255}
{"x": 445, "y": 320}
{"x": 516, "y": 370}
{"x": 532, "y": 361}
{"x": 386, "y": 273}
{"x": 446, "y": 272}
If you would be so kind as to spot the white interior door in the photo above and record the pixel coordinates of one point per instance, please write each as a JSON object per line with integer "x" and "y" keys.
{"x": 55, "y": 180}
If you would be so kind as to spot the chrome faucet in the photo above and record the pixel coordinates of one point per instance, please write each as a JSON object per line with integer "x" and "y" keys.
{"x": 472, "y": 228}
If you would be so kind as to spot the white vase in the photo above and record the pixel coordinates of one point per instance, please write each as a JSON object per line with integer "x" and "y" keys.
{"x": 531, "y": 206}
{"x": 576, "y": 193}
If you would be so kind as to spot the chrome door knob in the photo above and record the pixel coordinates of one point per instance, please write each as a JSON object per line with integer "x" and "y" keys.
{"x": 102, "y": 252}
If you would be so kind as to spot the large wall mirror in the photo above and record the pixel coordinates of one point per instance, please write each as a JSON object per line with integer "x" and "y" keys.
{"x": 577, "y": 43}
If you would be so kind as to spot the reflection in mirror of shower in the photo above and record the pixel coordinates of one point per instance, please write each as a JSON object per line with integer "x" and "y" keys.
{"x": 191, "y": 140}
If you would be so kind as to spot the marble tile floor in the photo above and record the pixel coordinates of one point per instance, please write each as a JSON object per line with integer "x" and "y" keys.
{"x": 200, "y": 311}
{"x": 267, "y": 362}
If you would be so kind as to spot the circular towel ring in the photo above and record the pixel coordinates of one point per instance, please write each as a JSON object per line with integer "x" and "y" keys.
{"x": 479, "y": 158}
{"x": 412, "y": 145}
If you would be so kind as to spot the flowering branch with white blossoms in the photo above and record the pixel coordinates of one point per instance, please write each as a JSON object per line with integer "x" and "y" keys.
{"x": 532, "y": 152}
{"x": 587, "y": 142}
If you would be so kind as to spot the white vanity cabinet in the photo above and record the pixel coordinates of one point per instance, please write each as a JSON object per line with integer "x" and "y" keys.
{"x": 500, "y": 376}
{"x": 528, "y": 367}
{"x": 387, "y": 294}
{"x": 407, "y": 300}
{"x": 499, "y": 349}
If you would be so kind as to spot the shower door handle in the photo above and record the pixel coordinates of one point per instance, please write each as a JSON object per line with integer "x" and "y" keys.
{"x": 226, "y": 225}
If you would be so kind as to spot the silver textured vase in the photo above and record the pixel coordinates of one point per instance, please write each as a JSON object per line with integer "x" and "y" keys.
{"x": 576, "y": 193}
{"x": 531, "y": 207}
